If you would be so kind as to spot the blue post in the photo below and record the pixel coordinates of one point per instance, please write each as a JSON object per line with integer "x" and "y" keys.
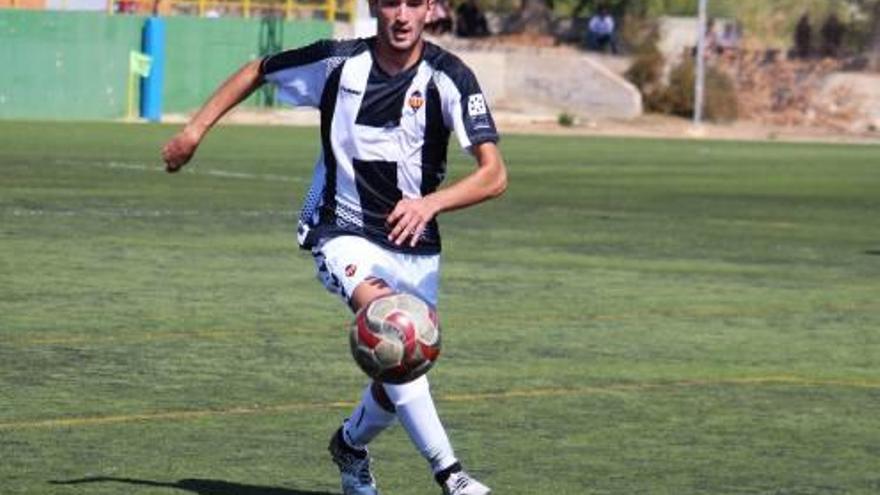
{"x": 153, "y": 43}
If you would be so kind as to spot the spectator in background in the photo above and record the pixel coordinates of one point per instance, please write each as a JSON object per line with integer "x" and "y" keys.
{"x": 126, "y": 6}
{"x": 832, "y": 36}
{"x": 728, "y": 42}
{"x": 600, "y": 32}
{"x": 440, "y": 18}
{"x": 803, "y": 37}
{"x": 711, "y": 39}
{"x": 470, "y": 21}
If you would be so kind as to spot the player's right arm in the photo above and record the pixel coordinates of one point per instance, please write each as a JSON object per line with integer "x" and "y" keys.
{"x": 299, "y": 75}
{"x": 181, "y": 148}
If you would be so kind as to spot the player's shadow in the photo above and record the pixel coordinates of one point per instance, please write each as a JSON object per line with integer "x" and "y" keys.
{"x": 197, "y": 486}
{"x": 873, "y": 252}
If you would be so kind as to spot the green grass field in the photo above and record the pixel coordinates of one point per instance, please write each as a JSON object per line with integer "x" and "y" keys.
{"x": 633, "y": 317}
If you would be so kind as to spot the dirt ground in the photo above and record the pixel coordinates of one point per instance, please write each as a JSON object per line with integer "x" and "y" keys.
{"x": 660, "y": 126}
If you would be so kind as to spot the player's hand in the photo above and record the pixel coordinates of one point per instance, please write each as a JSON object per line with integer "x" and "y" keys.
{"x": 179, "y": 150}
{"x": 408, "y": 220}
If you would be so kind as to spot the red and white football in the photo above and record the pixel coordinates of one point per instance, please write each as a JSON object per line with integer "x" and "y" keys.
{"x": 395, "y": 338}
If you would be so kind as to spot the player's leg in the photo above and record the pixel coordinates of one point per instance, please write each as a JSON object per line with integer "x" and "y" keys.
{"x": 420, "y": 275}
{"x": 410, "y": 402}
{"x": 360, "y": 272}
{"x": 375, "y": 412}
{"x": 344, "y": 264}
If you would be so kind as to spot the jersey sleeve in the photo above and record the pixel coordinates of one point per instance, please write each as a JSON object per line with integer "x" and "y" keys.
{"x": 465, "y": 110}
{"x": 300, "y": 73}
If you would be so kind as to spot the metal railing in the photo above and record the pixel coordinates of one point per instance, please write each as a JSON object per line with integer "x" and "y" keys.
{"x": 330, "y": 10}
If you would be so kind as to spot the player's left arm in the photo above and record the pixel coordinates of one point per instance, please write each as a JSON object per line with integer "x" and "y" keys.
{"x": 410, "y": 217}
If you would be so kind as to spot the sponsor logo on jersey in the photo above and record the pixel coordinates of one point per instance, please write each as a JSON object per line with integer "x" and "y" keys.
{"x": 476, "y": 105}
{"x": 416, "y": 100}
{"x": 350, "y": 270}
{"x": 350, "y": 91}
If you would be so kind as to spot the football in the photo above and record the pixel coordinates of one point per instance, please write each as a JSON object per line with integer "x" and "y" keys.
{"x": 395, "y": 338}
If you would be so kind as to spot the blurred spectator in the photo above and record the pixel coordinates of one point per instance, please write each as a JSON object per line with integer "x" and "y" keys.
{"x": 832, "y": 36}
{"x": 440, "y": 18}
{"x": 470, "y": 20}
{"x": 728, "y": 42}
{"x": 711, "y": 39}
{"x": 803, "y": 37}
{"x": 600, "y": 32}
{"x": 126, "y": 6}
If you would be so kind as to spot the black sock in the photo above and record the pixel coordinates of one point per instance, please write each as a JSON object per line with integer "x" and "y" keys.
{"x": 340, "y": 438}
{"x": 444, "y": 475}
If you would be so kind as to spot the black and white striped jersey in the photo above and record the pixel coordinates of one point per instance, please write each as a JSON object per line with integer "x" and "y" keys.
{"x": 383, "y": 137}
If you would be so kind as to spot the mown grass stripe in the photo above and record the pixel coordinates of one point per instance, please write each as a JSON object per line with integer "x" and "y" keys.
{"x": 462, "y": 397}
{"x": 690, "y": 312}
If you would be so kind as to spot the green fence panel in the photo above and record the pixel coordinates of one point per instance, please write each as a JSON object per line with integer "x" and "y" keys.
{"x": 203, "y": 52}
{"x": 65, "y": 65}
{"x": 74, "y": 65}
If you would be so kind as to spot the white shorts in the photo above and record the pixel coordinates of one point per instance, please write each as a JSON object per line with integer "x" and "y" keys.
{"x": 346, "y": 261}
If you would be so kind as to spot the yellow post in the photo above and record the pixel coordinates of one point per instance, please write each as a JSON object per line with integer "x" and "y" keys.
{"x": 331, "y": 10}
{"x": 131, "y": 82}
{"x": 246, "y": 9}
{"x": 288, "y": 9}
{"x": 109, "y": 6}
{"x": 351, "y": 10}
{"x": 202, "y": 7}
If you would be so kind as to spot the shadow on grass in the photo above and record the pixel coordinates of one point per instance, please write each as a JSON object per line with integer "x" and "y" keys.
{"x": 873, "y": 252}
{"x": 197, "y": 486}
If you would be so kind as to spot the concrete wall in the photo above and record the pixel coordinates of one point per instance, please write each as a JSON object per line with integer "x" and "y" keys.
{"x": 677, "y": 35}
{"x": 74, "y": 65}
{"x": 553, "y": 80}
{"x": 856, "y": 90}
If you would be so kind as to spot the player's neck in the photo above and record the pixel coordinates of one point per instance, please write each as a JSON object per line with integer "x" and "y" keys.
{"x": 392, "y": 61}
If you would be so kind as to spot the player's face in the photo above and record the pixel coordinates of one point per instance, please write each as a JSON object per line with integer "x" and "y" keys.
{"x": 401, "y": 22}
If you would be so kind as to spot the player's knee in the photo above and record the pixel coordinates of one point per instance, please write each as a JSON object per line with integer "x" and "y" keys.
{"x": 377, "y": 391}
{"x": 369, "y": 290}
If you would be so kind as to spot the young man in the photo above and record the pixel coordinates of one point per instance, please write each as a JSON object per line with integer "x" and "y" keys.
{"x": 388, "y": 105}
{"x": 600, "y": 31}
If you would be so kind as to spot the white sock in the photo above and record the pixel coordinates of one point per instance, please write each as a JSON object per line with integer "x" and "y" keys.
{"x": 417, "y": 414}
{"x": 368, "y": 420}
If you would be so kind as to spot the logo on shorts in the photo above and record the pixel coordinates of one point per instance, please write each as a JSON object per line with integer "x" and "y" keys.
{"x": 416, "y": 100}
{"x": 350, "y": 270}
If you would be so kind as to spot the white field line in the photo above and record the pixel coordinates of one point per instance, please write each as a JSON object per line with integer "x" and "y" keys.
{"x": 141, "y": 213}
{"x": 534, "y": 393}
{"x": 191, "y": 169}
{"x": 137, "y": 212}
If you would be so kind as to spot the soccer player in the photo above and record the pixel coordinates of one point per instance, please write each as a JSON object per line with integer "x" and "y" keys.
{"x": 388, "y": 106}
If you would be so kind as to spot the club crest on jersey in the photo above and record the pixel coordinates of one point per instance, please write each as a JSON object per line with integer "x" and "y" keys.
{"x": 350, "y": 270}
{"x": 416, "y": 101}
